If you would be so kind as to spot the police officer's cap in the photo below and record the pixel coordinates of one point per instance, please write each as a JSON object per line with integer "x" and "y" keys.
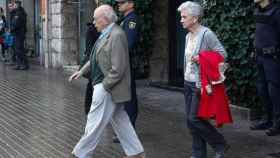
{"x": 125, "y": 0}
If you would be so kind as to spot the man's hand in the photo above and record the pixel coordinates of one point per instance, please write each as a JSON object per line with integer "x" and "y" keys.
{"x": 75, "y": 76}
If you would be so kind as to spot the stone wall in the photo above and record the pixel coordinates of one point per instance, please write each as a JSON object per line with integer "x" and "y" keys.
{"x": 159, "y": 60}
{"x": 64, "y": 33}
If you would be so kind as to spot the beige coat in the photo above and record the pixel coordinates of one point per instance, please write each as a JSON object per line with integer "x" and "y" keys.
{"x": 112, "y": 57}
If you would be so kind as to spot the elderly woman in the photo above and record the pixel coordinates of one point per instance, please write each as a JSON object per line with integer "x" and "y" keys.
{"x": 199, "y": 38}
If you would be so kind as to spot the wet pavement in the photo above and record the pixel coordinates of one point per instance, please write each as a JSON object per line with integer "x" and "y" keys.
{"x": 42, "y": 116}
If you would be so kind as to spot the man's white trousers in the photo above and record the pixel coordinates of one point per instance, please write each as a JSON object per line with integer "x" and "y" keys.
{"x": 103, "y": 110}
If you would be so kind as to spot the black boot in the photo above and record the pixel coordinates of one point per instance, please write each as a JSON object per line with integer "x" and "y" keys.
{"x": 263, "y": 125}
{"x": 273, "y": 131}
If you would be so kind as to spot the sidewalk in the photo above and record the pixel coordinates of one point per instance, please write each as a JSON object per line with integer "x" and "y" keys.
{"x": 42, "y": 116}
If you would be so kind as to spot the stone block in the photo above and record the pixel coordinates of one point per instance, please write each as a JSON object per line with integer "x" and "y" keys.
{"x": 56, "y": 45}
{"x": 72, "y": 9}
{"x": 69, "y": 20}
{"x": 73, "y": 45}
{"x": 57, "y": 20}
{"x": 70, "y": 32}
{"x": 56, "y": 8}
{"x": 56, "y": 60}
{"x": 69, "y": 58}
{"x": 56, "y": 32}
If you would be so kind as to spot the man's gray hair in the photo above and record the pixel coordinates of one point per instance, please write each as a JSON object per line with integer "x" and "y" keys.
{"x": 109, "y": 13}
{"x": 111, "y": 16}
{"x": 193, "y": 8}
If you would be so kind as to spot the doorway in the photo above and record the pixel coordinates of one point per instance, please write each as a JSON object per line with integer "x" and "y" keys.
{"x": 177, "y": 45}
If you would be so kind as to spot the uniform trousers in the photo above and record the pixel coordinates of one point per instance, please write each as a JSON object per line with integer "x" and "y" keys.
{"x": 268, "y": 85}
{"x": 20, "y": 51}
{"x": 131, "y": 107}
{"x": 103, "y": 110}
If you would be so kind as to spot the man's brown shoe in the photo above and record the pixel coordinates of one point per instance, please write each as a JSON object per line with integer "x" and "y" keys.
{"x": 141, "y": 155}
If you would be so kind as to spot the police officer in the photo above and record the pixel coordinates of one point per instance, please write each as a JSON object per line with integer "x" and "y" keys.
{"x": 130, "y": 26}
{"x": 19, "y": 30}
{"x": 267, "y": 43}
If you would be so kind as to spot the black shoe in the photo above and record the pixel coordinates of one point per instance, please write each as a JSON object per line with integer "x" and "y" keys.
{"x": 263, "y": 125}
{"x": 16, "y": 68}
{"x": 116, "y": 139}
{"x": 24, "y": 67}
{"x": 273, "y": 132}
{"x": 221, "y": 154}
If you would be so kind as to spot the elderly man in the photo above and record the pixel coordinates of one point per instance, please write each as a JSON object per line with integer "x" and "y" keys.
{"x": 199, "y": 38}
{"x": 109, "y": 66}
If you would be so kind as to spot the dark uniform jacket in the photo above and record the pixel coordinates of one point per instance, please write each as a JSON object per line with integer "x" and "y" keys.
{"x": 130, "y": 26}
{"x": 267, "y": 36}
{"x": 18, "y": 26}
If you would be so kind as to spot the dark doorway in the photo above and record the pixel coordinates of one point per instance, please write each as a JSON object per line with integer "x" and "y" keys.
{"x": 177, "y": 45}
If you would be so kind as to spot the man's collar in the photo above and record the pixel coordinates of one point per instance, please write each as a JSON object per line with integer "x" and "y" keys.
{"x": 107, "y": 28}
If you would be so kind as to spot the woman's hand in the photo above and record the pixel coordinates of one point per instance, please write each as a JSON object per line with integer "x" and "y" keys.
{"x": 75, "y": 76}
{"x": 195, "y": 59}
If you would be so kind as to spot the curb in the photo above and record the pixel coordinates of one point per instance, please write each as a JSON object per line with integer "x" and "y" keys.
{"x": 238, "y": 112}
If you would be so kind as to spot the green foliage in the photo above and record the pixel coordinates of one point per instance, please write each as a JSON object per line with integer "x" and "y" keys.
{"x": 234, "y": 24}
{"x": 144, "y": 47}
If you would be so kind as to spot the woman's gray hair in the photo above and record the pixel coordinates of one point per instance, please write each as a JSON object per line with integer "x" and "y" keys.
{"x": 193, "y": 8}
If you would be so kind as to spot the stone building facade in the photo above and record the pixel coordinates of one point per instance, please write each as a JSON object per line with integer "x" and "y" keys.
{"x": 52, "y": 31}
{"x": 62, "y": 27}
{"x": 63, "y": 30}
{"x": 65, "y": 42}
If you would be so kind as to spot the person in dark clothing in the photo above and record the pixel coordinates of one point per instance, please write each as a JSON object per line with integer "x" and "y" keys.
{"x": 10, "y": 25}
{"x": 267, "y": 43}
{"x": 91, "y": 37}
{"x": 130, "y": 26}
{"x": 3, "y": 23}
{"x": 18, "y": 29}
{"x": 2, "y": 32}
